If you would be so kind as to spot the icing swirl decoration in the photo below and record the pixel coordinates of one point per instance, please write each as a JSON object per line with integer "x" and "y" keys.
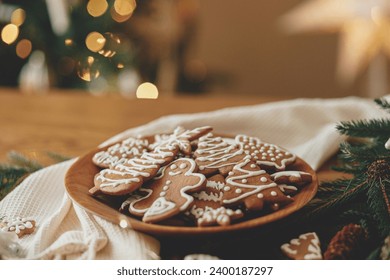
{"x": 215, "y": 154}
{"x": 118, "y": 153}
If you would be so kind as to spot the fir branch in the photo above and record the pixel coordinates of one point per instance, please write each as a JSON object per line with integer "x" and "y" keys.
{"x": 378, "y": 201}
{"x": 339, "y": 199}
{"x": 383, "y": 103}
{"x": 57, "y": 157}
{"x": 19, "y": 160}
{"x": 365, "y": 128}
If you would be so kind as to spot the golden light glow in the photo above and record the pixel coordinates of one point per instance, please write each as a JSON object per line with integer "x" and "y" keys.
{"x": 9, "y": 33}
{"x": 18, "y": 16}
{"x": 111, "y": 45}
{"x": 23, "y": 48}
{"x": 124, "y": 7}
{"x": 96, "y": 8}
{"x": 68, "y": 42}
{"x": 120, "y": 65}
{"x": 87, "y": 69}
{"x": 147, "y": 91}
{"x": 95, "y": 41}
{"x": 117, "y": 17}
{"x": 123, "y": 223}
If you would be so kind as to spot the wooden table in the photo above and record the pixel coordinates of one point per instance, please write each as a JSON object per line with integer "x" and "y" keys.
{"x": 72, "y": 123}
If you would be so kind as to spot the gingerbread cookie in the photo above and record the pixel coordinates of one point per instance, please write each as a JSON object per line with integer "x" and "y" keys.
{"x": 306, "y": 247}
{"x": 118, "y": 153}
{"x": 207, "y": 209}
{"x": 264, "y": 154}
{"x": 292, "y": 177}
{"x": 216, "y": 155}
{"x": 168, "y": 194}
{"x": 249, "y": 185}
{"x": 287, "y": 189}
{"x": 181, "y": 138}
{"x": 21, "y": 226}
{"x": 130, "y": 175}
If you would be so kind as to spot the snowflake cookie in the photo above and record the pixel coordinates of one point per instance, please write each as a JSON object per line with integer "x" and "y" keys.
{"x": 20, "y": 226}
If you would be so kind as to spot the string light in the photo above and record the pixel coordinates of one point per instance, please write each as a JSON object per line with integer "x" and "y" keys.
{"x": 124, "y": 7}
{"x": 18, "y": 16}
{"x": 23, "y": 48}
{"x": 95, "y": 41}
{"x": 88, "y": 69}
{"x": 9, "y": 33}
{"x": 147, "y": 91}
{"x": 96, "y": 8}
{"x": 68, "y": 42}
{"x": 117, "y": 17}
{"x": 111, "y": 45}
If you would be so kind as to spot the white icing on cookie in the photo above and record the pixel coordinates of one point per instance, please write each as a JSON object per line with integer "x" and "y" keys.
{"x": 268, "y": 156}
{"x": 236, "y": 181}
{"x": 215, "y": 154}
{"x": 217, "y": 197}
{"x": 106, "y": 181}
{"x": 293, "y": 173}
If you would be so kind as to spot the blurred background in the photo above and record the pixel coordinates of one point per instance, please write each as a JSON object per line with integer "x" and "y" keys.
{"x": 181, "y": 46}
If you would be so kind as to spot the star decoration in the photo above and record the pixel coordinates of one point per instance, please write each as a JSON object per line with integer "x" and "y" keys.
{"x": 364, "y": 27}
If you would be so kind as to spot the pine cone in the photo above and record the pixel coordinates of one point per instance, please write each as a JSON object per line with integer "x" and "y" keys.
{"x": 345, "y": 243}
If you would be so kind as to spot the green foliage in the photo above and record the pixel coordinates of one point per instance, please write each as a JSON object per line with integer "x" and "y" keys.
{"x": 365, "y": 197}
{"x": 17, "y": 168}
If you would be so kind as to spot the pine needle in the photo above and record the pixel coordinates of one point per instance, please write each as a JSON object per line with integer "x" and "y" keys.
{"x": 384, "y": 104}
{"x": 365, "y": 128}
{"x": 19, "y": 160}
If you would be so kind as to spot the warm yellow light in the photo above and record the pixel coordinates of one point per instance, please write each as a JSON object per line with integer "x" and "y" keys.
{"x": 9, "y": 33}
{"x": 124, "y": 7}
{"x": 95, "y": 41}
{"x": 120, "y": 65}
{"x": 117, "y": 17}
{"x": 87, "y": 69}
{"x": 18, "y": 16}
{"x": 96, "y": 8}
{"x": 23, "y": 48}
{"x": 68, "y": 42}
{"x": 147, "y": 91}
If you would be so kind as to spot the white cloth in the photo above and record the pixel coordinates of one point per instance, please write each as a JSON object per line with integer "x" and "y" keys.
{"x": 66, "y": 231}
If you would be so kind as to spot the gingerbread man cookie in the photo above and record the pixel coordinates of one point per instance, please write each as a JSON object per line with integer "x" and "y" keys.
{"x": 181, "y": 138}
{"x": 168, "y": 194}
{"x": 21, "y": 226}
{"x": 264, "y": 154}
{"x": 214, "y": 155}
{"x": 306, "y": 247}
{"x": 207, "y": 209}
{"x": 118, "y": 153}
{"x": 248, "y": 184}
{"x": 292, "y": 177}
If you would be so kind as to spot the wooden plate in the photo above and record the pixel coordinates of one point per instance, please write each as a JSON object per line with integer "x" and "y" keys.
{"x": 79, "y": 179}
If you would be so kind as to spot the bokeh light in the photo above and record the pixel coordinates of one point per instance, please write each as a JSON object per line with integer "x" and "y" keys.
{"x": 96, "y": 8}
{"x": 117, "y": 17}
{"x": 95, "y": 41}
{"x": 147, "y": 91}
{"x": 18, "y": 16}
{"x": 111, "y": 45}
{"x": 23, "y": 48}
{"x": 125, "y": 7}
{"x": 68, "y": 42}
{"x": 9, "y": 33}
{"x": 88, "y": 69}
